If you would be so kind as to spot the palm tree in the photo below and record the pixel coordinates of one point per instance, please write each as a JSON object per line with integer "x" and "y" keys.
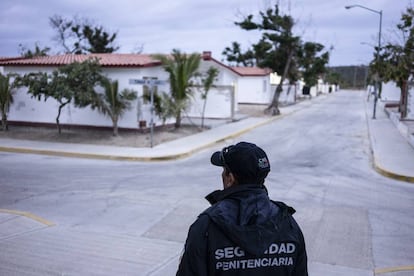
{"x": 181, "y": 68}
{"x": 6, "y": 99}
{"x": 113, "y": 103}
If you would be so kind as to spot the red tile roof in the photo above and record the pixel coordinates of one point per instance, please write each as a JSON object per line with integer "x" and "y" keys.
{"x": 119, "y": 60}
{"x": 252, "y": 71}
{"x": 242, "y": 71}
{"x": 106, "y": 60}
{"x": 10, "y": 58}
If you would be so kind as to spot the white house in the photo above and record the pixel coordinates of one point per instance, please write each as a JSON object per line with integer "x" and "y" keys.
{"x": 121, "y": 67}
{"x": 232, "y": 84}
{"x": 253, "y": 85}
{"x": 291, "y": 92}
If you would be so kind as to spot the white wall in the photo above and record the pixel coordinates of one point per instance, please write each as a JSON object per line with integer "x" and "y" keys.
{"x": 288, "y": 94}
{"x": 254, "y": 90}
{"x": 324, "y": 87}
{"x": 221, "y": 99}
{"x": 29, "y": 109}
{"x": 390, "y": 92}
{"x": 300, "y": 85}
{"x": 410, "y": 104}
{"x": 141, "y": 110}
{"x": 218, "y": 104}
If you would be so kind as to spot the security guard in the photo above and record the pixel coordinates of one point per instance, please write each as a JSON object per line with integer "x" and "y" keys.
{"x": 244, "y": 232}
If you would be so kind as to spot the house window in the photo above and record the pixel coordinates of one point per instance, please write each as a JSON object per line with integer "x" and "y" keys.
{"x": 264, "y": 86}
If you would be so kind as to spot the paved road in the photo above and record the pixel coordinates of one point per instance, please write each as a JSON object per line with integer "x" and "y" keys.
{"x": 130, "y": 218}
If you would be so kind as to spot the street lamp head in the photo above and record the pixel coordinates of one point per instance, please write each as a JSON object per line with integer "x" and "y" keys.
{"x": 362, "y": 7}
{"x": 351, "y": 6}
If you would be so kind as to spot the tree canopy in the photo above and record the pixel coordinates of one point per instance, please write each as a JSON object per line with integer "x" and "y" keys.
{"x": 312, "y": 64}
{"x": 36, "y": 52}
{"x": 181, "y": 68}
{"x": 396, "y": 61}
{"x": 113, "y": 102}
{"x": 278, "y": 49}
{"x": 74, "y": 83}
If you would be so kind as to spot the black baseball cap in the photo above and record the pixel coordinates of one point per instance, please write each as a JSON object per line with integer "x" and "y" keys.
{"x": 246, "y": 161}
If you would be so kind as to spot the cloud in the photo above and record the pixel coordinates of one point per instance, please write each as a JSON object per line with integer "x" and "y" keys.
{"x": 200, "y": 25}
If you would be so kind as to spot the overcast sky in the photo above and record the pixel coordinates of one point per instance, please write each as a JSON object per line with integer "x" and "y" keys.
{"x": 203, "y": 25}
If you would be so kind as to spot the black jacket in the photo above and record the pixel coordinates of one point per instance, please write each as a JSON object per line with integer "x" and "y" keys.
{"x": 244, "y": 233}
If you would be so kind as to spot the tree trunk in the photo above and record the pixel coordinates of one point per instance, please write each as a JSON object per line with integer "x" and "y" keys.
{"x": 203, "y": 112}
{"x": 4, "y": 121}
{"x": 403, "y": 100}
{"x": 178, "y": 120}
{"x": 273, "y": 108}
{"x": 58, "y": 116}
{"x": 115, "y": 126}
{"x": 57, "y": 119}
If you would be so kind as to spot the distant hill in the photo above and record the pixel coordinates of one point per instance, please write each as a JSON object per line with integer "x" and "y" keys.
{"x": 352, "y": 76}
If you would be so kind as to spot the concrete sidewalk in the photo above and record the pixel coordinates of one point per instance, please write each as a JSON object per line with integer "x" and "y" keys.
{"x": 392, "y": 154}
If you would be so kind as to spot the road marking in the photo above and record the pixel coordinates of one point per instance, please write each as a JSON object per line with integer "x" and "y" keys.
{"x": 28, "y": 215}
{"x": 393, "y": 269}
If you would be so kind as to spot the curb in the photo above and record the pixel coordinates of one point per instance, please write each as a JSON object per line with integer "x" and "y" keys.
{"x": 405, "y": 178}
{"x": 77, "y": 154}
{"x": 376, "y": 165}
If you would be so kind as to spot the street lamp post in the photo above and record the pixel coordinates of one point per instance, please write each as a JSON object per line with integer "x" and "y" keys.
{"x": 377, "y": 86}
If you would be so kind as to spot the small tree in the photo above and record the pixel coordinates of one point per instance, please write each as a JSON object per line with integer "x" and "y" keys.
{"x": 181, "y": 69}
{"x": 113, "y": 103}
{"x": 276, "y": 48}
{"x": 6, "y": 99}
{"x": 70, "y": 83}
{"x": 207, "y": 82}
{"x": 397, "y": 59}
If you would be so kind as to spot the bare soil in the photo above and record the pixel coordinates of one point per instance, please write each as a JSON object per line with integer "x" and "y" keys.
{"x": 126, "y": 138}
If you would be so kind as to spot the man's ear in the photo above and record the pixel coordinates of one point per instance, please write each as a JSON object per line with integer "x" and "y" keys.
{"x": 231, "y": 180}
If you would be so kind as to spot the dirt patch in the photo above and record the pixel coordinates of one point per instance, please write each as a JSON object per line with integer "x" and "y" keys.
{"x": 252, "y": 110}
{"x": 126, "y": 138}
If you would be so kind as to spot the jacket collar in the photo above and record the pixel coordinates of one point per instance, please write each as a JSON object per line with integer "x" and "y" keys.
{"x": 219, "y": 195}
